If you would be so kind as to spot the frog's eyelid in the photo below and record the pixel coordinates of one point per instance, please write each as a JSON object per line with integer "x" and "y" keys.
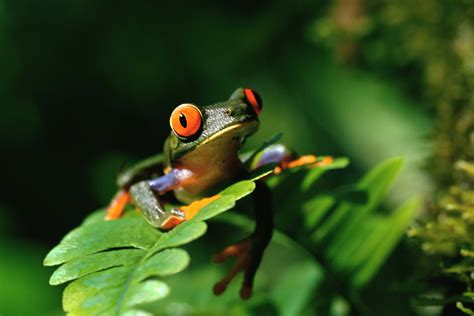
{"x": 254, "y": 99}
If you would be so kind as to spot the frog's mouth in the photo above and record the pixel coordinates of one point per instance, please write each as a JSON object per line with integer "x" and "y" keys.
{"x": 235, "y": 132}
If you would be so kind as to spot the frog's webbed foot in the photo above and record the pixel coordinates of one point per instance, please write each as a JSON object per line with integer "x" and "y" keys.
{"x": 247, "y": 261}
{"x": 249, "y": 252}
{"x": 145, "y": 199}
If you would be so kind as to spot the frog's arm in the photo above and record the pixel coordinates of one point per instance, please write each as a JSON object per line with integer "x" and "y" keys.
{"x": 140, "y": 171}
{"x": 146, "y": 169}
{"x": 144, "y": 195}
{"x": 276, "y": 153}
{"x": 285, "y": 158}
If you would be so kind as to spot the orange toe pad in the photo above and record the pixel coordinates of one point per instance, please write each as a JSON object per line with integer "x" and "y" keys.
{"x": 306, "y": 160}
{"x": 192, "y": 209}
{"x": 115, "y": 208}
{"x": 327, "y": 160}
{"x": 241, "y": 251}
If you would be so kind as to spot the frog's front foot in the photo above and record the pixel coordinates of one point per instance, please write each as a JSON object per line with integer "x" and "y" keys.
{"x": 171, "y": 219}
{"x": 145, "y": 199}
{"x": 310, "y": 161}
{"x": 246, "y": 261}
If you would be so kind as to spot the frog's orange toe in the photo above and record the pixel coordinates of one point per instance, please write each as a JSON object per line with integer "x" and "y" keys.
{"x": 235, "y": 250}
{"x": 192, "y": 209}
{"x": 219, "y": 288}
{"x": 171, "y": 223}
{"x": 325, "y": 161}
{"x": 189, "y": 212}
{"x": 306, "y": 160}
{"x": 302, "y": 161}
{"x": 219, "y": 258}
{"x": 245, "y": 292}
{"x": 241, "y": 251}
{"x": 117, "y": 205}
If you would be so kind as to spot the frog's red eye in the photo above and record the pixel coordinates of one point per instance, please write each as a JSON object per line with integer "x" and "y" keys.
{"x": 186, "y": 120}
{"x": 254, "y": 100}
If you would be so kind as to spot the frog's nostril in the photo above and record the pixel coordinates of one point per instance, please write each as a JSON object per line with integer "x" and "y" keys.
{"x": 236, "y": 110}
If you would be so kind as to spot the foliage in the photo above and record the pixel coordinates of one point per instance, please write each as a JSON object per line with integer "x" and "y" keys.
{"x": 354, "y": 238}
{"x": 112, "y": 262}
{"x": 435, "y": 40}
{"x": 451, "y": 234}
{"x": 117, "y": 273}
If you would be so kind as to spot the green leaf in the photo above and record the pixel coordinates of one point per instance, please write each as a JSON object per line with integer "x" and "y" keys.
{"x": 317, "y": 208}
{"x": 88, "y": 264}
{"x": 227, "y": 199}
{"x": 305, "y": 178}
{"x": 307, "y": 276}
{"x": 376, "y": 183}
{"x": 262, "y": 171}
{"x": 103, "y": 235}
{"x": 464, "y": 309}
{"x": 294, "y": 188}
{"x": 314, "y": 174}
{"x": 353, "y": 239}
{"x": 384, "y": 239}
{"x": 115, "y": 265}
{"x": 284, "y": 285}
{"x": 147, "y": 292}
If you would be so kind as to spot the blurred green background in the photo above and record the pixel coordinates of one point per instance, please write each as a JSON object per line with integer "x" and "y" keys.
{"x": 86, "y": 86}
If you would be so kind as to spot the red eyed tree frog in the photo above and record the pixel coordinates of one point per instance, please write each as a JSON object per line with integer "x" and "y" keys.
{"x": 200, "y": 157}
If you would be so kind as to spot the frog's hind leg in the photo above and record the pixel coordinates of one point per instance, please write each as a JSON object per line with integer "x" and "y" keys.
{"x": 287, "y": 159}
{"x": 249, "y": 252}
{"x": 241, "y": 251}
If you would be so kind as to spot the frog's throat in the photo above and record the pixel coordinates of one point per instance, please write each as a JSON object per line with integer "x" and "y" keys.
{"x": 249, "y": 128}
{"x": 234, "y": 134}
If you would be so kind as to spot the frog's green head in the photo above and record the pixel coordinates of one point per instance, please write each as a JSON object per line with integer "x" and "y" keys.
{"x": 214, "y": 128}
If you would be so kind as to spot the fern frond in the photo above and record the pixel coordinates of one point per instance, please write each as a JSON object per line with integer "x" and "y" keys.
{"x": 116, "y": 265}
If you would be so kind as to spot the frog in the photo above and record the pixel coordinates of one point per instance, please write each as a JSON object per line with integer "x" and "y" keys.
{"x": 201, "y": 156}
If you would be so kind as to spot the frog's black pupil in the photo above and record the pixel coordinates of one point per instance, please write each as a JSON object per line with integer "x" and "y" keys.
{"x": 182, "y": 120}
